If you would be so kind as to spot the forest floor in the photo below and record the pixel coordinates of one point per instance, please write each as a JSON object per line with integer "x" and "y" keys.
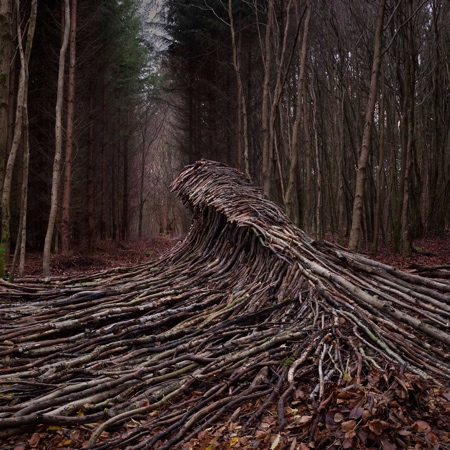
{"x": 430, "y": 251}
{"x": 433, "y": 251}
{"x": 106, "y": 255}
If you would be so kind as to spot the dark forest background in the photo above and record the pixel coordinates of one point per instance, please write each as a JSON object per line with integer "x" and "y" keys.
{"x": 339, "y": 110}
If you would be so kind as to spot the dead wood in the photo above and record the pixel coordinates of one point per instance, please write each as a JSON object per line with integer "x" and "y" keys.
{"x": 246, "y": 320}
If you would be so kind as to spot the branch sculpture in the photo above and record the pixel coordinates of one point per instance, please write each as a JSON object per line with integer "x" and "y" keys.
{"x": 248, "y": 334}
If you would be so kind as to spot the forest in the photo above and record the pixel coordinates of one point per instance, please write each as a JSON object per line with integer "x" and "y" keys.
{"x": 339, "y": 110}
{"x": 274, "y": 141}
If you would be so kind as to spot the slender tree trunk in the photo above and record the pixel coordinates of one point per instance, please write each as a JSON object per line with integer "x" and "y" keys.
{"x": 24, "y": 195}
{"x": 58, "y": 144}
{"x": 141, "y": 184}
{"x": 103, "y": 215}
{"x": 90, "y": 182}
{"x": 377, "y": 218}
{"x": 358, "y": 203}
{"x": 317, "y": 170}
{"x": 6, "y": 43}
{"x": 125, "y": 195}
{"x": 242, "y": 105}
{"x": 18, "y": 128}
{"x": 342, "y": 222}
{"x": 22, "y": 232}
{"x": 65, "y": 223}
{"x": 265, "y": 113}
{"x": 410, "y": 80}
{"x": 291, "y": 207}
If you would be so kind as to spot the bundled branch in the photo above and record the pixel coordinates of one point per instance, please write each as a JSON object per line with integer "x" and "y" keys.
{"x": 246, "y": 327}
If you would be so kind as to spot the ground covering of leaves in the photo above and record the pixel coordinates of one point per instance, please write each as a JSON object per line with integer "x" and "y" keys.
{"x": 106, "y": 254}
{"x": 348, "y": 424}
{"x": 431, "y": 251}
{"x": 349, "y": 421}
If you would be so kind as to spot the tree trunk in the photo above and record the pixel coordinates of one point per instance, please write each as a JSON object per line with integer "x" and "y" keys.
{"x": 90, "y": 210}
{"x": 58, "y": 143}
{"x": 67, "y": 185}
{"x": 301, "y": 115}
{"x": 18, "y": 128}
{"x": 6, "y": 43}
{"x": 380, "y": 167}
{"x": 265, "y": 113}
{"x": 22, "y": 232}
{"x": 242, "y": 105}
{"x": 358, "y": 204}
{"x": 410, "y": 80}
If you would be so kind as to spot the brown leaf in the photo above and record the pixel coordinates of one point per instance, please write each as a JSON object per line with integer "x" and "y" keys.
{"x": 201, "y": 435}
{"x": 378, "y": 426}
{"x": 303, "y": 446}
{"x": 387, "y": 444}
{"x": 348, "y": 425}
{"x": 356, "y": 412}
{"x": 338, "y": 417}
{"x": 404, "y": 433}
{"x": 304, "y": 420}
{"x": 34, "y": 440}
{"x": 421, "y": 426}
{"x": 432, "y": 438}
{"x": 348, "y": 443}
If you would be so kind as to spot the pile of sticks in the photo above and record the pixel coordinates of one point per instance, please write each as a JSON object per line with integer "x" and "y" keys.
{"x": 247, "y": 314}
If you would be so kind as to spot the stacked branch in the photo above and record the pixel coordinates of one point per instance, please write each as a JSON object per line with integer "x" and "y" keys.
{"x": 247, "y": 324}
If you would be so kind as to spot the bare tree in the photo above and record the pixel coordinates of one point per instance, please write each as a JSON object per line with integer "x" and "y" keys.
{"x": 22, "y": 232}
{"x": 291, "y": 208}
{"x": 358, "y": 203}
{"x": 265, "y": 113}
{"x": 65, "y": 223}
{"x": 6, "y": 43}
{"x": 58, "y": 143}
{"x": 18, "y": 129}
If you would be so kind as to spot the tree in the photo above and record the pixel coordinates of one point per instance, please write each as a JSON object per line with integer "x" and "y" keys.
{"x": 19, "y": 252}
{"x": 65, "y": 221}
{"x": 6, "y": 43}
{"x": 58, "y": 142}
{"x": 18, "y": 129}
{"x": 355, "y": 232}
{"x": 301, "y": 116}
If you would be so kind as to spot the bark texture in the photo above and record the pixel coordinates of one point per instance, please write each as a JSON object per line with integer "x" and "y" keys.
{"x": 246, "y": 314}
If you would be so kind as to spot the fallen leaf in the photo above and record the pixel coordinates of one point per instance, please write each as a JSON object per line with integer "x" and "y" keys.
{"x": 304, "y": 419}
{"x": 275, "y": 442}
{"x": 34, "y": 440}
{"x": 356, "y": 412}
{"x": 378, "y": 426}
{"x": 348, "y": 443}
{"x": 421, "y": 426}
{"x": 432, "y": 439}
{"x": 404, "y": 433}
{"x": 348, "y": 425}
{"x": 387, "y": 444}
{"x": 294, "y": 444}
